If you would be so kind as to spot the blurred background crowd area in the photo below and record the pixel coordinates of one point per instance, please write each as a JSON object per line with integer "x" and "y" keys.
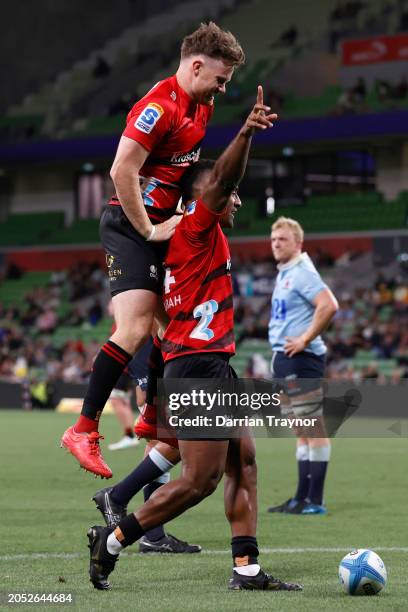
{"x": 337, "y": 161}
{"x": 52, "y": 331}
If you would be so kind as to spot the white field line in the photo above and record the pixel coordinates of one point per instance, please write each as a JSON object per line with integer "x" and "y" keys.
{"x": 283, "y": 551}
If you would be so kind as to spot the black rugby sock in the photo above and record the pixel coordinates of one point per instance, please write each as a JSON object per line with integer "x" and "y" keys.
{"x": 318, "y": 471}
{"x": 244, "y": 550}
{"x": 157, "y": 532}
{"x": 108, "y": 366}
{"x": 145, "y": 472}
{"x": 303, "y": 480}
{"x": 128, "y": 530}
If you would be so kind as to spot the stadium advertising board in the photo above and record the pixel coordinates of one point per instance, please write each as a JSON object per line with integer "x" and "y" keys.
{"x": 373, "y": 50}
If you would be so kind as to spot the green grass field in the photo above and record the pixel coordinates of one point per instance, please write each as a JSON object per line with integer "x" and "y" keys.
{"x": 45, "y": 510}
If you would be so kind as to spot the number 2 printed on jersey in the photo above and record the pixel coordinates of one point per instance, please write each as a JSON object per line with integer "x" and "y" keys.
{"x": 205, "y": 312}
{"x": 279, "y": 310}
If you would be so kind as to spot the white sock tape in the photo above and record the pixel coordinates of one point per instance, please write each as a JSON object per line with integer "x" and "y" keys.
{"x": 320, "y": 453}
{"x": 162, "y": 463}
{"x": 302, "y": 452}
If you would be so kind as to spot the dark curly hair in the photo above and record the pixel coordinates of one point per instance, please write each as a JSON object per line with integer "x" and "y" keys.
{"x": 191, "y": 176}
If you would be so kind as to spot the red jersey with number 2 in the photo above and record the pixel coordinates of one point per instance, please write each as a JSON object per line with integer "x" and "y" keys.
{"x": 197, "y": 287}
{"x": 171, "y": 127}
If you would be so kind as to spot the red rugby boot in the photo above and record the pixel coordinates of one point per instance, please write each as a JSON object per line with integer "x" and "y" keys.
{"x": 145, "y": 429}
{"x": 85, "y": 448}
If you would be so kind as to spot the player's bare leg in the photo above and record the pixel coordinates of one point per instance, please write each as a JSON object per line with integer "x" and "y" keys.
{"x": 240, "y": 487}
{"x": 158, "y": 539}
{"x": 203, "y": 467}
{"x": 241, "y": 509}
{"x": 134, "y": 312}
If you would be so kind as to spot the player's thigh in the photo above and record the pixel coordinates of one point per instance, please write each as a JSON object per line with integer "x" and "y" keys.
{"x": 132, "y": 262}
{"x": 134, "y": 309}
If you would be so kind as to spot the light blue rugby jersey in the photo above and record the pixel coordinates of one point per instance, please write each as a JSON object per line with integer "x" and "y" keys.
{"x": 297, "y": 284}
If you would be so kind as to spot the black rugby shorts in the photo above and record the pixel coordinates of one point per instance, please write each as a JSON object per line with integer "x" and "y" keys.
{"x": 200, "y": 365}
{"x": 132, "y": 262}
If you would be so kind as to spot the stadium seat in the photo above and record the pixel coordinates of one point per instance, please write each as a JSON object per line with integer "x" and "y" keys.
{"x": 14, "y": 291}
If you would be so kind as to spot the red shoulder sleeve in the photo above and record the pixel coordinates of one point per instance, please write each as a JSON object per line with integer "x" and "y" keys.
{"x": 198, "y": 219}
{"x": 151, "y": 118}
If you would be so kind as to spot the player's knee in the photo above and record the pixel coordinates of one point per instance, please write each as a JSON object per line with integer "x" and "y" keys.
{"x": 248, "y": 465}
{"x": 203, "y": 486}
{"x": 133, "y": 335}
{"x": 249, "y": 458}
{"x": 247, "y": 452}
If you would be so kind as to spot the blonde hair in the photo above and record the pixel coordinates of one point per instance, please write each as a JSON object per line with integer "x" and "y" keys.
{"x": 292, "y": 225}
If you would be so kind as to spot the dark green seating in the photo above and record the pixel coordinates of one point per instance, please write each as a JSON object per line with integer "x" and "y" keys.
{"x": 30, "y": 228}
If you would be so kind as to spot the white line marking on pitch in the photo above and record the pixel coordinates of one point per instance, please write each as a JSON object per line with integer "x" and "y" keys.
{"x": 210, "y": 552}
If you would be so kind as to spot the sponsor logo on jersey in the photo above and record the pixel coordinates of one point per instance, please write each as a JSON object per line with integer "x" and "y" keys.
{"x": 148, "y": 118}
{"x": 173, "y": 96}
{"x": 190, "y": 208}
{"x": 185, "y": 158}
{"x": 109, "y": 260}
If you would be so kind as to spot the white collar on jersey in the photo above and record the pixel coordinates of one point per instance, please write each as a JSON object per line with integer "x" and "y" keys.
{"x": 293, "y": 262}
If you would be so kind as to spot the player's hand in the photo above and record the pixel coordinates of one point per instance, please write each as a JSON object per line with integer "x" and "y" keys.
{"x": 294, "y": 345}
{"x": 260, "y": 118}
{"x": 165, "y": 230}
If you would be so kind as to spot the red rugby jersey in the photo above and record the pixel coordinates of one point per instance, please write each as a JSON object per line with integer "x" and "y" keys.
{"x": 171, "y": 127}
{"x": 197, "y": 287}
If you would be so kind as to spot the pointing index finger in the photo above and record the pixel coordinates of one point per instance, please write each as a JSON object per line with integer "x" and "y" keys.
{"x": 259, "y": 97}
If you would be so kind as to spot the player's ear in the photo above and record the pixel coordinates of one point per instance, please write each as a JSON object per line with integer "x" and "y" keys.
{"x": 197, "y": 66}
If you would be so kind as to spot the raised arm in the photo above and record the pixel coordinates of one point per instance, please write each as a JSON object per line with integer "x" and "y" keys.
{"x": 230, "y": 167}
